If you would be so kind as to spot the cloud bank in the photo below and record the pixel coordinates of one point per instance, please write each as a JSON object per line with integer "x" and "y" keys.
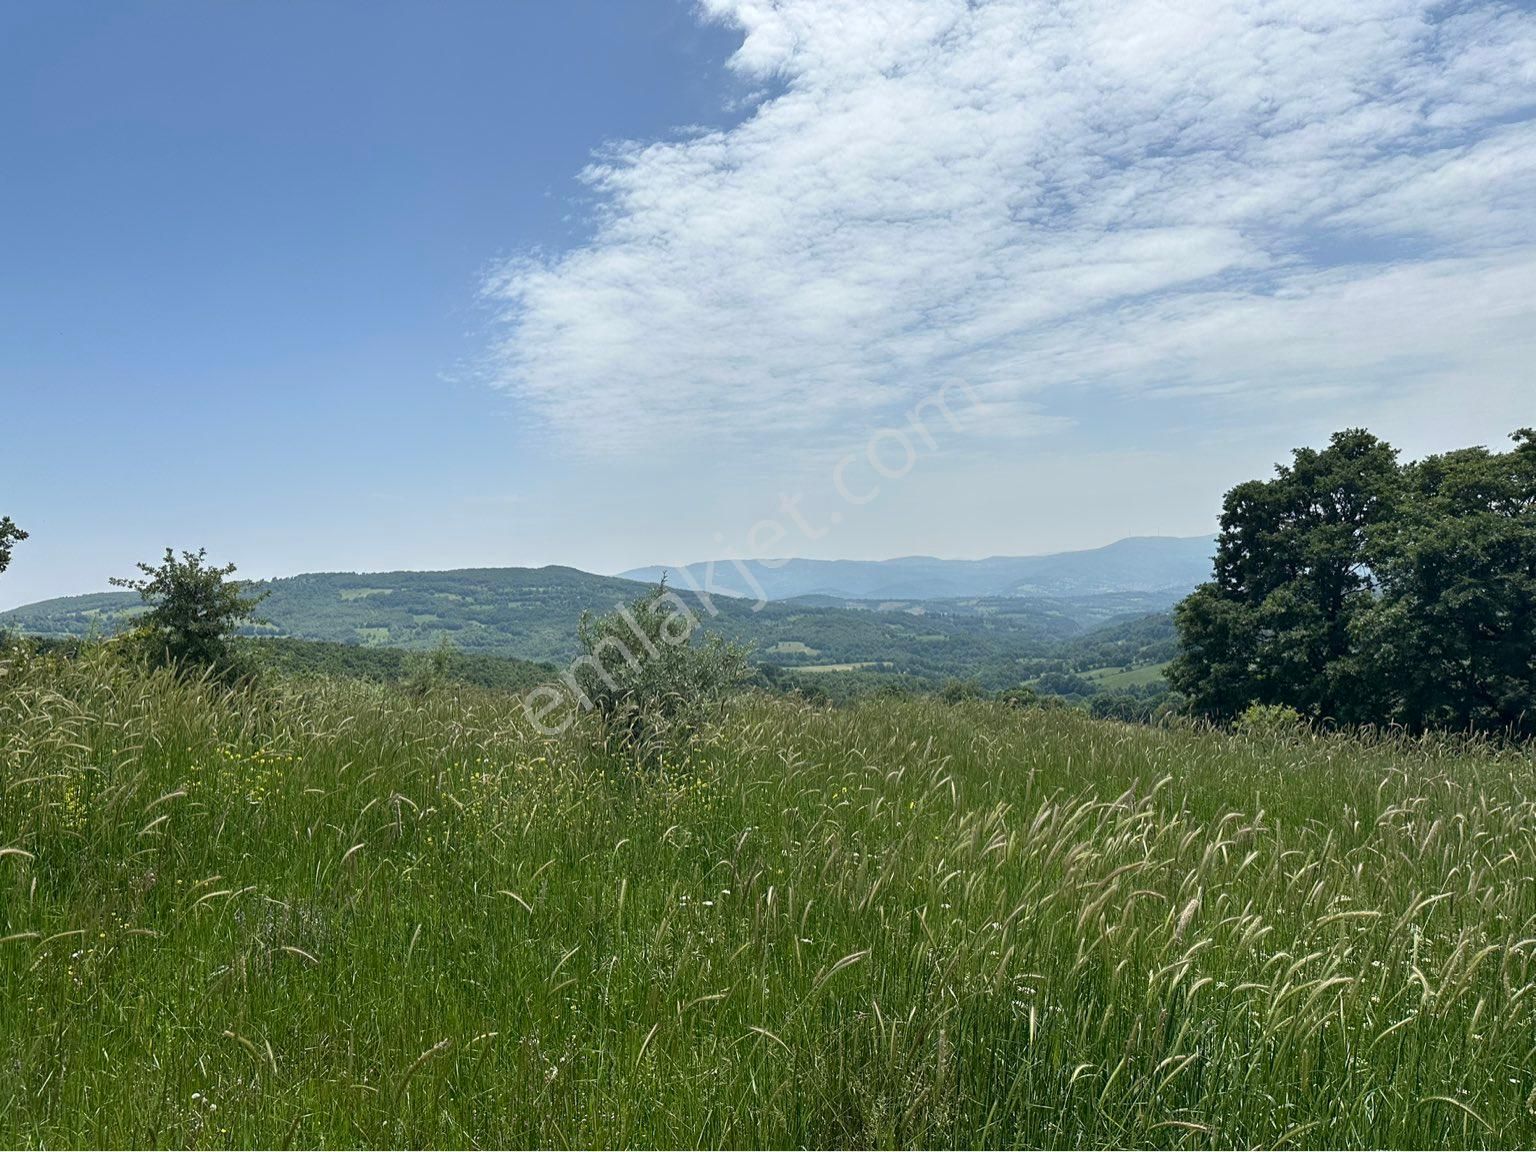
{"x": 1059, "y": 203}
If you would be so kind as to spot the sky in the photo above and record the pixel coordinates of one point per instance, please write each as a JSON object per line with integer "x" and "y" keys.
{"x": 360, "y": 286}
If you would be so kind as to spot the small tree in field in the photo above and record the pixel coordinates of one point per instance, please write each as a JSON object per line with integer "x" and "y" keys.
{"x": 195, "y": 609}
{"x": 429, "y": 671}
{"x": 9, "y": 534}
{"x": 649, "y": 683}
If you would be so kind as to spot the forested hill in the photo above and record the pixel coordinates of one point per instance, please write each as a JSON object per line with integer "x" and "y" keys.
{"x": 525, "y": 612}
{"x": 1136, "y": 564}
{"x": 531, "y": 613}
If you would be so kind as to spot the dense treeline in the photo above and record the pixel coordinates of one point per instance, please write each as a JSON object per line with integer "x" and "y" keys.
{"x": 311, "y": 658}
{"x": 1358, "y": 589}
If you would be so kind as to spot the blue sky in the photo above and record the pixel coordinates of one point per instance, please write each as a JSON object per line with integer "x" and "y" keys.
{"x": 358, "y": 286}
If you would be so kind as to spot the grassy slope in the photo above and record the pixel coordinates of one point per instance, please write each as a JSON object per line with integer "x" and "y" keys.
{"x": 338, "y": 917}
{"x": 1113, "y": 678}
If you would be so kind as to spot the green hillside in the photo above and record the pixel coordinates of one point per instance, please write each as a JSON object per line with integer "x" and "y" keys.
{"x": 531, "y": 614}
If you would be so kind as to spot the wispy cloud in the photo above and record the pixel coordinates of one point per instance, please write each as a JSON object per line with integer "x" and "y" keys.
{"x": 1260, "y": 198}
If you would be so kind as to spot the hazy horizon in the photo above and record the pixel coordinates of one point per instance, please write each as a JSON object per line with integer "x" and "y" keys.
{"x": 623, "y": 572}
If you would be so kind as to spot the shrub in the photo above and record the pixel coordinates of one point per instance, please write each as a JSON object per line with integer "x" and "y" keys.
{"x": 194, "y": 611}
{"x": 1020, "y": 696}
{"x": 1272, "y": 721}
{"x": 959, "y": 691}
{"x": 651, "y": 686}
{"x": 426, "y": 672}
{"x": 1126, "y": 706}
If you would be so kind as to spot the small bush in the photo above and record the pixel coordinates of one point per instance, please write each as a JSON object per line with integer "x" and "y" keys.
{"x": 427, "y": 672}
{"x": 1272, "y": 722}
{"x": 1020, "y": 696}
{"x": 652, "y": 687}
{"x": 959, "y": 691}
{"x": 1124, "y": 706}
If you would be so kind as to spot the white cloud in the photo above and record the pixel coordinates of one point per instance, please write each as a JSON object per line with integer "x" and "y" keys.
{"x": 1261, "y": 199}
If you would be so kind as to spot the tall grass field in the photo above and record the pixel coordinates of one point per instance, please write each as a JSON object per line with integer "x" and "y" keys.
{"x": 336, "y": 915}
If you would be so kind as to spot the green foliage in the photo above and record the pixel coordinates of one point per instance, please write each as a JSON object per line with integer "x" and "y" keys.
{"x": 1126, "y": 707}
{"x": 1133, "y": 643}
{"x": 1272, "y": 722}
{"x": 1068, "y": 684}
{"x": 1356, "y": 590}
{"x": 1451, "y": 643}
{"x": 305, "y": 660}
{"x": 1291, "y": 577}
{"x": 651, "y": 686}
{"x": 1020, "y": 696}
{"x": 847, "y": 687}
{"x": 194, "y": 610}
{"x": 10, "y": 535}
{"x": 959, "y": 691}
{"x": 431, "y": 671}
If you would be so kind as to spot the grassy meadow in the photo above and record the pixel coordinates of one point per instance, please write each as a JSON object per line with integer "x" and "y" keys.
{"x": 1136, "y": 677}
{"x": 334, "y": 915}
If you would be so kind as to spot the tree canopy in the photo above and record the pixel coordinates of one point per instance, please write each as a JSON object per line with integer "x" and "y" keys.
{"x": 1359, "y": 589}
{"x": 10, "y": 535}
{"x": 195, "y": 609}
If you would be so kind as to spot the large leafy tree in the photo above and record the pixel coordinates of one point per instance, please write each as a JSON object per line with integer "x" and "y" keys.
{"x": 195, "y": 609}
{"x": 1291, "y": 575}
{"x": 1355, "y": 589}
{"x": 10, "y": 535}
{"x": 1451, "y": 641}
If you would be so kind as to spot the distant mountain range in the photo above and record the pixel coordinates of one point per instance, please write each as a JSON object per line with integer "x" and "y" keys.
{"x": 1138, "y": 564}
